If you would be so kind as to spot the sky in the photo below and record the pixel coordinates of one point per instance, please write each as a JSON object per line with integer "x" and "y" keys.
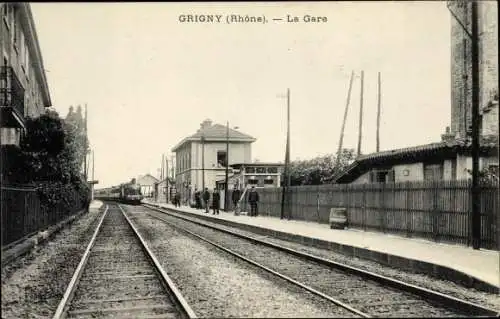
{"x": 149, "y": 80}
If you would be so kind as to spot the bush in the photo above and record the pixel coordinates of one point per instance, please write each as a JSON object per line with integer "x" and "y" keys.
{"x": 49, "y": 157}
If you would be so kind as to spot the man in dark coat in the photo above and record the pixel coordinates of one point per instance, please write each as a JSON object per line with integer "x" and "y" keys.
{"x": 197, "y": 200}
{"x": 216, "y": 201}
{"x": 235, "y": 197}
{"x": 253, "y": 199}
{"x": 206, "y": 198}
{"x": 177, "y": 200}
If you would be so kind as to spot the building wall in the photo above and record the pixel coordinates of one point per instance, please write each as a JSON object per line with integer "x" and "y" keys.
{"x": 21, "y": 59}
{"x": 238, "y": 153}
{"x": 461, "y": 68}
{"x": 464, "y": 163}
{"x": 363, "y": 179}
{"x": 415, "y": 172}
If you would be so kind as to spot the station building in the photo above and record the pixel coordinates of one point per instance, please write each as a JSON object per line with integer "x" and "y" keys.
{"x": 201, "y": 158}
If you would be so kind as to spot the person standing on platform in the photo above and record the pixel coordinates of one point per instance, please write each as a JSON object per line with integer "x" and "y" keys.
{"x": 177, "y": 200}
{"x": 206, "y": 199}
{"x": 235, "y": 197}
{"x": 253, "y": 199}
{"x": 197, "y": 200}
{"x": 216, "y": 201}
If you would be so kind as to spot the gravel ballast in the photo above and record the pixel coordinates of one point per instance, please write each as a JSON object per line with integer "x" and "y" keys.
{"x": 488, "y": 300}
{"x": 33, "y": 284}
{"x": 216, "y": 284}
{"x": 367, "y": 296}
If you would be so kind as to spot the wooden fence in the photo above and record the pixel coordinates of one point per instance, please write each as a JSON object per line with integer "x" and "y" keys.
{"x": 23, "y": 214}
{"x": 440, "y": 211}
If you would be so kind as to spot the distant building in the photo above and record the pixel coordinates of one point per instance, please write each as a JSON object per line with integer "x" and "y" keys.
{"x": 209, "y": 142}
{"x": 163, "y": 190}
{"x": 24, "y": 90}
{"x": 147, "y": 183}
{"x": 432, "y": 162}
{"x": 254, "y": 174}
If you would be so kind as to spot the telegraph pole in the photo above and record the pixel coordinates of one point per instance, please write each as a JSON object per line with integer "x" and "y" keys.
{"x": 166, "y": 178}
{"x": 287, "y": 181}
{"x": 360, "y": 135}
{"x": 476, "y": 196}
{"x": 345, "y": 118}
{"x": 227, "y": 168}
{"x": 203, "y": 162}
{"x": 85, "y": 145}
{"x": 378, "y": 113}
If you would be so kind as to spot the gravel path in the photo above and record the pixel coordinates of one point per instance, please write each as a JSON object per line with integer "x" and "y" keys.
{"x": 443, "y": 286}
{"x": 33, "y": 285}
{"x": 218, "y": 285}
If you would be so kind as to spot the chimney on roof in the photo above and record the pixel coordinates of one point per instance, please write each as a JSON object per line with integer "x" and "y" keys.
{"x": 447, "y": 136}
{"x": 205, "y": 124}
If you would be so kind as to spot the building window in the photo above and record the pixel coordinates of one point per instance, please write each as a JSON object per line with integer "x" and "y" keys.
{"x": 433, "y": 172}
{"x": 221, "y": 158}
{"x": 261, "y": 170}
{"x": 272, "y": 170}
{"x": 382, "y": 176}
{"x": 249, "y": 170}
{"x": 268, "y": 181}
{"x": 253, "y": 181}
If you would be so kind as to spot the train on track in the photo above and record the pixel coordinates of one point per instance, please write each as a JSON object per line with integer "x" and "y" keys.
{"x": 127, "y": 193}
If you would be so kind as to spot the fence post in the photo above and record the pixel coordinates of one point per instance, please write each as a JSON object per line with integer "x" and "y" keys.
{"x": 408, "y": 214}
{"x": 383, "y": 206}
{"x": 363, "y": 202}
{"x": 435, "y": 213}
{"x": 317, "y": 204}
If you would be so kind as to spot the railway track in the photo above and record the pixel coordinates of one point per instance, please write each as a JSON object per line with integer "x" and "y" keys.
{"x": 119, "y": 277}
{"x": 363, "y": 293}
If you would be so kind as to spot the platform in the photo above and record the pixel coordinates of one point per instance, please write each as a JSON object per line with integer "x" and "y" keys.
{"x": 460, "y": 264}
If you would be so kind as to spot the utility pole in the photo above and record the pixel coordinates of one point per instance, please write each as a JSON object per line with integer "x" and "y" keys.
{"x": 203, "y": 162}
{"x": 360, "y": 134}
{"x": 345, "y": 118}
{"x": 474, "y": 36}
{"x": 227, "y": 167}
{"x": 379, "y": 97}
{"x": 287, "y": 181}
{"x": 476, "y": 196}
{"x": 85, "y": 145}
{"x": 161, "y": 167}
{"x": 166, "y": 179}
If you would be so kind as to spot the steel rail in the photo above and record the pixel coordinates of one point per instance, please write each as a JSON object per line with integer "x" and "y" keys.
{"x": 286, "y": 278}
{"x": 68, "y": 294}
{"x": 430, "y": 295}
{"x": 167, "y": 282}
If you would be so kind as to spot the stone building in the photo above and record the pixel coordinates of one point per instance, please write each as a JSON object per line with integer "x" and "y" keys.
{"x": 461, "y": 68}
{"x": 24, "y": 90}
{"x": 209, "y": 144}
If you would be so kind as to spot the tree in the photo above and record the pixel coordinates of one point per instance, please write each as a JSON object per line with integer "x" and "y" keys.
{"x": 49, "y": 157}
{"x": 319, "y": 170}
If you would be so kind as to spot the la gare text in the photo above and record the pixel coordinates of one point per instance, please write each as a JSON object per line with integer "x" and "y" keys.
{"x": 240, "y": 18}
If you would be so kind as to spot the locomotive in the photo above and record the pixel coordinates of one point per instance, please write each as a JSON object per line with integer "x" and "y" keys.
{"x": 127, "y": 193}
{"x": 130, "y": 193}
